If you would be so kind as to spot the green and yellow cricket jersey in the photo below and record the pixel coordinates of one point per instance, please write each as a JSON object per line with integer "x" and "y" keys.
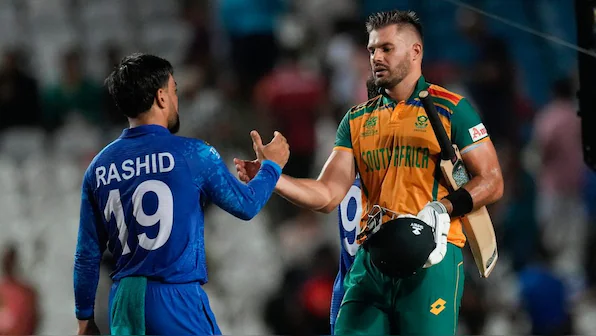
{"x": 396, "y": 151}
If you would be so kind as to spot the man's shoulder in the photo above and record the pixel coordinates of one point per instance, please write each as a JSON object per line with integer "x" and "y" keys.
{"x": 105, "y": 153}
{"x": 192, "y": 148}
{"x": 444, "y": 96}
{"x": 120, "y": 147}
{"x": 186, "y": 144}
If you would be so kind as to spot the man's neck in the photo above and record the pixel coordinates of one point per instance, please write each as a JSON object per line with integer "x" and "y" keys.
{"x": 405, "y": 88}
{"x": 147, "y": 118}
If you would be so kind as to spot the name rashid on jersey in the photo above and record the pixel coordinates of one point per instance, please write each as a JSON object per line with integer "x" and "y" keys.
{"x": 148, "y": 164}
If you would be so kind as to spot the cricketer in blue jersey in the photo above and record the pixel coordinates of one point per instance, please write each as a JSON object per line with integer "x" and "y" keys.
{"x": 143, "y": 197}
{"x": 349, "y": 212}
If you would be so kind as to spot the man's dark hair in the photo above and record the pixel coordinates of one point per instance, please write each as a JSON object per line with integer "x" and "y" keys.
{"x": 134, "y": 82}
{"x": 371, "y": 89}
{"x": 394, "y": 17}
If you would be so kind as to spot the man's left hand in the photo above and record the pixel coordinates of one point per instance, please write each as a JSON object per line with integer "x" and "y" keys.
{"x": 88, "y": 327}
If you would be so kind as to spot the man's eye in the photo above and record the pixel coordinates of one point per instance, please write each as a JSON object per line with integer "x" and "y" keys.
{"x": 386, "y": 50}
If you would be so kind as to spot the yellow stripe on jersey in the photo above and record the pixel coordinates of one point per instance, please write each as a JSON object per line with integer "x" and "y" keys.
{"x": 343, "y": 149}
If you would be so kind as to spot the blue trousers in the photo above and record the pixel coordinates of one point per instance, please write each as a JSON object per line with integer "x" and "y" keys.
{"x": 176, "y": 309}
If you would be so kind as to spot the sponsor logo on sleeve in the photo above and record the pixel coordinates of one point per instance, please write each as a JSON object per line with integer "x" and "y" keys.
{"x": 478, "y": 132}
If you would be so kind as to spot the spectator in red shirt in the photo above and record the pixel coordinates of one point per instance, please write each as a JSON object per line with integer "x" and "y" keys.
{"x": 18, "y": 301}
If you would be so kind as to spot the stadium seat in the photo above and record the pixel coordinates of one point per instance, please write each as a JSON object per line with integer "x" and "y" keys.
{"x": 68, "y": 176}
{"x": 10, "y": 27}
{"x": 88, "y": 140}
{"x": 48, "y": 49}
{"x": 148, "y": 10}
{"x": 47, "y": 14}
{"x": 9, "y": 175}
{"x": 20, "y": 143}
{"x": 167, "y": 39}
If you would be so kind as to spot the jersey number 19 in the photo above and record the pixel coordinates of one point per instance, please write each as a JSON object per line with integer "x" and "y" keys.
{"x": 164, "y": 215}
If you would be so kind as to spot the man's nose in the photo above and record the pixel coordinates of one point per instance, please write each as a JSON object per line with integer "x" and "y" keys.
{"x": 377, "y": 57}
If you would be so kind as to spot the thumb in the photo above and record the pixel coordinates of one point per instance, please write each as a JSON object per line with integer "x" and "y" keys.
{"x": 256, "y": 139}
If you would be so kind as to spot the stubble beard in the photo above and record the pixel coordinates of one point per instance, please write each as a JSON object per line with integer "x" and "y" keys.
{"x": 396, "y": 75}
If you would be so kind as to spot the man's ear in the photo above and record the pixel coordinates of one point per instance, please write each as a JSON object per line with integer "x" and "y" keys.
{"x": 416, "y": 51}
{"x": 160, "y": 98}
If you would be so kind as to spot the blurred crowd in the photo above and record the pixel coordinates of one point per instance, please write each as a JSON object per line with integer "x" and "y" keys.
{"x": 295, "y": 66}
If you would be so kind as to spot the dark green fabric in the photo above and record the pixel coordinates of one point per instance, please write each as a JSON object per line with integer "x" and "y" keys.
{"x": 343, "y": 137}
{"x": 128, "y": 307}
{"x": 464, "y": 118}
{"x": 426, "y": 303}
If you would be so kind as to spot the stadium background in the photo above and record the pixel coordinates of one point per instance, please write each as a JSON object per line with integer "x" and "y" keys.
{"x": 295, "y": 66}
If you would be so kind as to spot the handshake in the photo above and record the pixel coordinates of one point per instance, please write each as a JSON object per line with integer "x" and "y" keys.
{"x": 277, "y": 151}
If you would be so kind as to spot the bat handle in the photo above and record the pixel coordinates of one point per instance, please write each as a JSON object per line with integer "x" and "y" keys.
{"x": 447, "y": 151}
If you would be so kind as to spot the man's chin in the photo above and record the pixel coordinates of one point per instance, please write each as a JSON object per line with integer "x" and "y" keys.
{"x": 386, "y": 83}
{"x": 382, "y": 83}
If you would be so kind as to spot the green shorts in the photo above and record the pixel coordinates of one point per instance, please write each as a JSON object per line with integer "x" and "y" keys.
{"x": 426, "y": 303}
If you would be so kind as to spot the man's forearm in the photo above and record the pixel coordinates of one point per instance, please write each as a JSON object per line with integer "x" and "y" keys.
{"x": 306, "y": 193}
{"x": 86, "y": 279}
{"x": 484, "y": 190}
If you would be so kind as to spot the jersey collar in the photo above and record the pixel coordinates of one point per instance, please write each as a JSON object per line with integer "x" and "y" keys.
{"x": 420, "y": 85}
{"x": 143, "y": 130}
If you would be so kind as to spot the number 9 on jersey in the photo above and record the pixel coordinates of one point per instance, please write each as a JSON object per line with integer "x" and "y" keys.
{"x": 350, "y": 210}
{"x": 164, "y": 215}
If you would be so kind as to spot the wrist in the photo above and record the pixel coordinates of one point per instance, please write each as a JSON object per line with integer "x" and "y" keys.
{"x": 84, "y": 314}
{"x": 438, "y": 207}
{"x": 84, "y": 324}
{"x": 273, "y": 164}
{"x": 461, "y": 202}
{"x": 279, "y": 185}
{"x": 447, "y": 204}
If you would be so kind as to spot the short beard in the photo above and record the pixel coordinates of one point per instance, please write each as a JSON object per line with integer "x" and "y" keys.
{"x": 175, "y": 126}
{"x": 398, "y": 74}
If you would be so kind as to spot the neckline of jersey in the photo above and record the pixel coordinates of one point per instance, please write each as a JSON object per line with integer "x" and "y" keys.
{"x": 421, "y": 84}
{"x": 142, "y": 130}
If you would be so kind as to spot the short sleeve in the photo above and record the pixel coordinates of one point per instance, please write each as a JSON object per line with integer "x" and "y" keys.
{"x": 466, "y": 126}
{"x": 343, "y": 140}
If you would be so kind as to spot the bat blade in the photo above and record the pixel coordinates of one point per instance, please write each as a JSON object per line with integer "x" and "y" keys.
{"x": 477, "y": 225}
{"x": 482, "y": 240}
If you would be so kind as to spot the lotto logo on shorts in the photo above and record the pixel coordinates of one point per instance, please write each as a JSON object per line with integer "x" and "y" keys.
{"x": 438, "y": 306}
{"x": 478, "y": 132}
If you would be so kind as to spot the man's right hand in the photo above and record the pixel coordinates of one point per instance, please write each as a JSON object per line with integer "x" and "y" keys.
{"x": 247, "y": 170}
{"x": 277, "y": 150}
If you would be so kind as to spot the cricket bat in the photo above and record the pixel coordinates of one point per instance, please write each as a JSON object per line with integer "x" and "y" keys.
{"x": 478, "y": 226}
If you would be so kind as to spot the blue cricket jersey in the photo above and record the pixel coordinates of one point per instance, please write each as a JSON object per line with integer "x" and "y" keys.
{"x": 350, "y": 213}
{"x": 143, "y": 197}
